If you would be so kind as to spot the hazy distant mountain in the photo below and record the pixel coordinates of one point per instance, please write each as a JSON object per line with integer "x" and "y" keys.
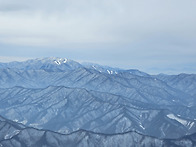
{"x": 111, "y": 70}
{"x": 48, "y": 64}
{"x": 184, "y": 82}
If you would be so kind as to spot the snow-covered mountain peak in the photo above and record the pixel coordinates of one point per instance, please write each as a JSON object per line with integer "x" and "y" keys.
{"x": 55, "y": 60}
{"x": 49, "y": 64}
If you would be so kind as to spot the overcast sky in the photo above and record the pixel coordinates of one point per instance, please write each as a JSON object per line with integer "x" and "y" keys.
{"x": 155, "y": 36}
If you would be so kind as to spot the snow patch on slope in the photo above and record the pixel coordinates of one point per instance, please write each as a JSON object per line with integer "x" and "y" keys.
{"x": 142, "y": 127}
{"x": 10, "y": 135}
{"x": 182, "y": 121}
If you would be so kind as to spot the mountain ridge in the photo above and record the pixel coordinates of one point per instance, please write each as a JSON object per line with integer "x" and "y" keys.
{"x": 64, "y": 105}
{"x": 34, "y": 137}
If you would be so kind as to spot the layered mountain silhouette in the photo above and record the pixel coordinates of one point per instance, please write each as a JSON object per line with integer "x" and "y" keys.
{"x": 64, "y": 96}
{"x": 13, "y": 134}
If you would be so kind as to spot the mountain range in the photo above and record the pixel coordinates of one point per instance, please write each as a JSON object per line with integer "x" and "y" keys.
{"x": 13, "y": 134}
{"x": 64, "y": 96}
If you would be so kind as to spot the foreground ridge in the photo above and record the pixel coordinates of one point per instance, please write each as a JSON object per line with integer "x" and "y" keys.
{"x": 23, "y": 136}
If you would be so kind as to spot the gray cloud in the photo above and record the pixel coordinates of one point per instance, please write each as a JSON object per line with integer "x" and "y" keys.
{"x": 9, "y": 8}
{"x": 140, "y": 34}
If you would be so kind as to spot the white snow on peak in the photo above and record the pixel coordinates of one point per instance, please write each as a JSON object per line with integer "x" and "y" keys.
{"x": 65, "y": 60}
{"x": 59, "y": 61}
{"x": 182, "y": 121}
{"x": 93, "y": 67}
{"x": 111, "y": 72}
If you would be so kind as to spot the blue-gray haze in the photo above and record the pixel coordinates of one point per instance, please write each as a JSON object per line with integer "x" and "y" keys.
{"x": 154, "y": 36}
